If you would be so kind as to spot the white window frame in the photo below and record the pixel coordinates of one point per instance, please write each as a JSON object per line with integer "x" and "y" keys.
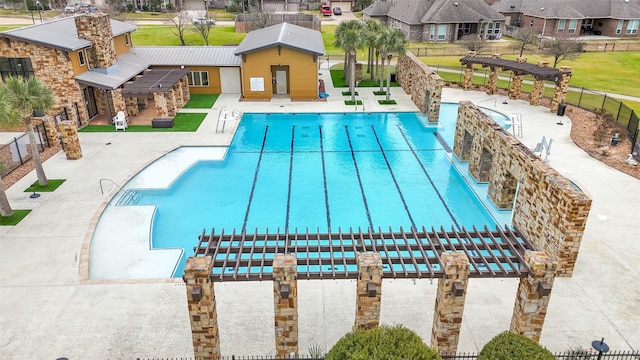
{"x": 619, "y": 27}
{"x": 197, "y": 79}
{"x": 443, "y": 35}
{"x": 82, "y": 57}
{"x": 561, "y": 24}
{"x": 573, "y": 24}
{"x": 531, "y": 23}
{"x": 432, "y": 32}
{"x": 126, "y": 39}
{"x": 632, "y": 26}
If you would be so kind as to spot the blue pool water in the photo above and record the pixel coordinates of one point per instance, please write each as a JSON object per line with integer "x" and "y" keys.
{"x": 320, "y": 171}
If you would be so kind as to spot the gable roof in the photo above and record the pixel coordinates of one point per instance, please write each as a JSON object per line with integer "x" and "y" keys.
{"x": 572, "y": 9}
{"x": 284, "y": 34}
{"x": 128, "y": 66}
{"x": 188, "y": 55}
{"x": 378, "y": 8}
{"x": 417, "y": 12}
{"x": 60, "y": 33}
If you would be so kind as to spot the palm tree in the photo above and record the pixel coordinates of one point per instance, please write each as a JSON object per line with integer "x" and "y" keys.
{"x": 21, "y": 97}
{"x": 349, "y": 38}
{"x": 392, "y": 41}
{"x": 372, "y": 29}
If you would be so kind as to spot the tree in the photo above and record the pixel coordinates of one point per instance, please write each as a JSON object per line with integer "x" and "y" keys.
{"x": 348, "y": 37}
{"x": 473, "y": 42}
{"x": 372, "y": 28}
{"x": 21, "y": 96}
{"x": 382, "y": 343}
{"x": 5, "y": 113}
{"x": 179, "y": 25}
{"x": 563, "y": 48}
{"x": 524, "y": 37}
{"x": 512, "y": 346}
{"x": 203, "y": 29}
{"x": 260, "y": 18}
{"x": 392, "y": 41}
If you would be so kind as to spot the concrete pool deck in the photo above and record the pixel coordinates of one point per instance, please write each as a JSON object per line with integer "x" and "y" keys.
{"x": 48, "y": 311}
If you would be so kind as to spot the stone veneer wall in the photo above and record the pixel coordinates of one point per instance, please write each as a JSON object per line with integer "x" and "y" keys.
{"x": 368, "y": 307}
{"x": 422, "y": 83}
{"x": 54, "y": 69}
{"x": 70, "y": 140}
{"x": 550, "y": 211}
{"x": 96, "y": 28}
{"x": 285, "y": 308}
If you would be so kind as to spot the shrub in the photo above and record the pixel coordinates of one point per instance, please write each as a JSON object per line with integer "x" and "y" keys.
{"x": 511, "y": 346}
{"x": 382, "y": 343}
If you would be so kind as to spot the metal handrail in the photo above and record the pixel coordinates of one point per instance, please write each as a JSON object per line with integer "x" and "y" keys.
{"x": 113, "y": 182}
{"x": 495, "y": 102}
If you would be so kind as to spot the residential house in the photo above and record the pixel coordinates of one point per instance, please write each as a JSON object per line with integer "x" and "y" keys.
{"x": 438, "y": 20}
{"x": 551, "y": 18}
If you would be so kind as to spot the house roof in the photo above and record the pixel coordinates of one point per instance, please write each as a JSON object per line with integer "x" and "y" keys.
{"x": 456, "y": 11}
{"x": 60, "y": 33}
{"x": 378, "y": 8}
{"x": 409, "y": 11}
{"x": 572, "y": 9}
{"x": 128, "y": 66}
{"x": 188, "y": 55}
{"x": 284, "y": 34}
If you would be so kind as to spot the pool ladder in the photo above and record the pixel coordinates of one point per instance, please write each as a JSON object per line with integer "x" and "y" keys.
{"x": 225, "y": 116}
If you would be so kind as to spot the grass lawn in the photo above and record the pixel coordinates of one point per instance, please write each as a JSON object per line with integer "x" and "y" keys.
{"x": 14, "y": 219}
{"x": 387, "y": 102}
{"x": 349, "y": 102}
{"x": 348, "y": 93}
{"x": 337, "y": 77}
{"x": 51, "y": 186}
{"x": 182, "y": 122}
{"x": 201, "y": 101}
{"x": 161, "y": 35}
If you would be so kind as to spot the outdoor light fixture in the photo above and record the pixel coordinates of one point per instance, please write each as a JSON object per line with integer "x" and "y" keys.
{"x": 544, "y": 289}
{"x": 372, "y": 289}
{"x": 35, "y": 195}
{"x": 196, "y": 293}
{"x": 457, "y": 289}
{"x": 285, "y": 290}
{"x": 600, "y": 346}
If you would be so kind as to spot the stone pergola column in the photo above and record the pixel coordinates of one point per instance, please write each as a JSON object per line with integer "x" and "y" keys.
{"x": 285, "y": 304}
{"x": 516, "y": 86}
{"x": 450, "y": 298}
{"x": 201, "y": 300}
{"x": 179, "y": 94}
{"x": 185, "y": 89}
{"x": 560, "y": 93}
{"x": 161, "y": 105}
{"x": 468, "y": 73}
{"x": 538, "y": 87}
{"x": 117, "y": 100}
{"x": 171, "y": 103}
{"x": 70, "y": 140}
{"x": 132, "y": 106}
{"x": 368, "y": 291}
{"x": 493, "y": 77}
{"x": 49, "y": 124}
{"x": 533, "y": 295}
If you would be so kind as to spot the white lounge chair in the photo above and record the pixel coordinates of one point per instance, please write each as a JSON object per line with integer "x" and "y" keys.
{"x": 120, "y": 121}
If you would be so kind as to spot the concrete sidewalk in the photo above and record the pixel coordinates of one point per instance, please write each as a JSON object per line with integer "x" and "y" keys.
{"x": 47, "y": 312}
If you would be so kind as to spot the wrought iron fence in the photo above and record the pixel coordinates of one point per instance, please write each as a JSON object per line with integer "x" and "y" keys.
{"x": 567, "y": 355}
{"x": 18, "y": 151}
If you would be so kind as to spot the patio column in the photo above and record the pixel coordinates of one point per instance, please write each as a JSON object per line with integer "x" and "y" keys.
{"x": 185, "y": 89}
{"x": 201, "y": 300}
{"x": 516, "y": 86}
{"x": 538, "y": 87}
{"x": 468, "y": 73}
{"x": 70, "y": 140}
{"x": 562, "y": 85}
{"x": 171, "y": 103}
{"x": 493, "y": 77}
{"x": 533, "y": 295}
{"x": 161, "y": 104}
{"x": 285, "y": 304}
{"x": 450, "y": 298}
{"x": 179, "y": 94}
{"x": 118, "y": 101}
{"x": 369, "y": 290}
{"x": 132, "y": 106}
{"x": 49, "y": 125}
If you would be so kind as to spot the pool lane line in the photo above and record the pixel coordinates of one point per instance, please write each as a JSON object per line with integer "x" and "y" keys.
{"x": 355, "y": 164}
{"x": 324, "y": 179}
{"x": 255, "y": 179}
{"x": 424, "y": 170}
{"x": 444, "y": 144}
{"x": 293, "y": 133}
{"x": 393, "y": 176}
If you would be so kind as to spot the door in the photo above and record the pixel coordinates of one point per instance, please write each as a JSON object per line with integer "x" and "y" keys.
{"x": 90, "y": 101}
{"x": 281, "y": 82}
{"x": 230, "y": 80}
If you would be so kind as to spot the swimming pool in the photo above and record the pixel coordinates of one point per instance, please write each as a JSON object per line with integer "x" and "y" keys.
{"x": 318, "y": 171}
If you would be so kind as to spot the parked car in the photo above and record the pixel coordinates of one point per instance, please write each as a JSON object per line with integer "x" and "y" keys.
{"x": 203, "y": 21}
{"x": 325, "y": 10}
{"x": 70, "y": 8}
{"x": 337, "y": 11}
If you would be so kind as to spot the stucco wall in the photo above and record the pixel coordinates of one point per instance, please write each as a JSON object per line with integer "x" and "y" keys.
{"x": 422, "y": 83}
{"x": 121, "y": 45}
{"x": 549, "y": 210}
{"x": 214, "y": 79}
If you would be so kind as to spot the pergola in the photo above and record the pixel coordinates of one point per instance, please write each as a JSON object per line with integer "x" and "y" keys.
{"x": 169, "y": 89}
{"x": 541, "y": 73}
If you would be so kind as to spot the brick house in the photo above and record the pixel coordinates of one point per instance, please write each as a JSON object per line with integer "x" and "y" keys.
{"x": 550, "y": 18}
{"x": 438, "y": 20}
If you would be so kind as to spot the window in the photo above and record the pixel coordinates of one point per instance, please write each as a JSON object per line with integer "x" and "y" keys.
{"x": 632, "y": 26}
{"x": 531, "y": 23}
{"x": 561, "y": 24}
{"x": 619, "y": 27}
{"x": 81, "y": 57}
{"x": 126, "y": 39}
{"x": 573, "y": 24}
{"x": 16, "y": 67}
{"x": 432, "y": 32}
{"x": 442, "y": 32}
{"x": 198, "y": 78}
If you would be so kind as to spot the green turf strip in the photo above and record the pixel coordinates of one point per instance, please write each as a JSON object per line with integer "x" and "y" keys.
{"x": 201, "y": 101}
{"x": 182, "y": 122}
{"x": 14, "y": 219}
{"x": 51, "y": 186}
{"x": 387, "y": 102}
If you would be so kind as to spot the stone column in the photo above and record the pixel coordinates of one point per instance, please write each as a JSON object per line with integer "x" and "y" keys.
{"x": 562, "y": 85}
{"x": 179, "y": 92}
{"x": 369, "y": 290}
{"x": 70, "y": 140}
{"x": 161, "y": 105}
{"x": 49, "y": 124}
{"x": 132, "y": 106}
{"x": 171, "y": 103}
{"x": 285, "y": 304}
{"x": 493, "y": 77}
{"x": 533, "y": 295}
{"x": 186, "y": 95}
{"x": 468, "y": 77}
{"x": 538, "y": 87}
{"x": 201, "y": 300}
{"x": 451, "y": 294}
{"x": 516, "y": 85}
{"x": 117, "y": 100}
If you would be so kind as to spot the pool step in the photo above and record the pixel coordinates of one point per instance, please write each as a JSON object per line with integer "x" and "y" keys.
{"x": 130, "y": 197}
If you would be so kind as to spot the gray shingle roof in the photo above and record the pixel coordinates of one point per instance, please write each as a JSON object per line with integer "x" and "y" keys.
{"x": 409, "y": 11}
{"x": 284, "y": 34}
{"x": 573, "y": 9}
{"x": 188, "y": 55}
{"x": 60, "y": 34}
{"x": 455, "y": 11}
{"x": 378, "y": 8}
{"x": 129, "y": 65}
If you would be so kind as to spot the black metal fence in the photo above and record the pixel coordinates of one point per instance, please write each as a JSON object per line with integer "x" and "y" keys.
{"x": 18, "y": 151}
